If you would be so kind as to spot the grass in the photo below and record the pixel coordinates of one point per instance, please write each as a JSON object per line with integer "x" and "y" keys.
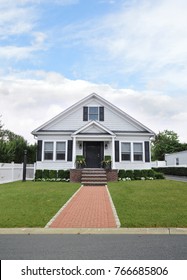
{"x": 32, "y": 204}
{"x": 159, "y": 203}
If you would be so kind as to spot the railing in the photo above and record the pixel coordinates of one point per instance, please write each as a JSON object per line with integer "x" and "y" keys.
{"x": 10, "y": 172}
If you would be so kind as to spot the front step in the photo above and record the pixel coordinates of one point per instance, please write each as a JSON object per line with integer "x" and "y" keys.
{"x": 93, "y": 177}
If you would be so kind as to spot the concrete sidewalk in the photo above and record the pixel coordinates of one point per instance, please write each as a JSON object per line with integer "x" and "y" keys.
{"x": 140, "y": 231}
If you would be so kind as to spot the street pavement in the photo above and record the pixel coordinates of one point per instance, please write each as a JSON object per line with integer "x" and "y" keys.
{"x": 93, "y": 247}
{"x": 176, "y": 178}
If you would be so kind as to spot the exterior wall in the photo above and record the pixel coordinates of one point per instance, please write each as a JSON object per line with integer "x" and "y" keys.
{"x": 74, "y": 120}
{"x": 133, "y": 165}
{"x": 64, "y": 164}
{"x": 180, "y": 157}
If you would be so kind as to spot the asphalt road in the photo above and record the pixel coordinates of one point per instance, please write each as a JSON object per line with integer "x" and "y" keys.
{"x": 176, "y": 178}
{"x": 93, "y": 247}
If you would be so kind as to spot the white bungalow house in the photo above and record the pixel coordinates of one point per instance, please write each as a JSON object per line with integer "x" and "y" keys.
{"x": 94, "y": 128}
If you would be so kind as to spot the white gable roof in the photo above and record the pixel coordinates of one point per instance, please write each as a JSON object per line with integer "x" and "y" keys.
{"x": 93, "y": 127}
{"x": 71, "y": 120}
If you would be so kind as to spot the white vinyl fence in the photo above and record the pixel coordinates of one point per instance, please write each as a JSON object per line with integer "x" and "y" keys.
{"x": 10, "y": 172}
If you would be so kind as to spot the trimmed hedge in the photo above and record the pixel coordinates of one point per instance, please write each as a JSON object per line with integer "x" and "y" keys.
{"x": 52, "y": 175}
{"x": 178, "y": 171}
{"x": 144, "y": 174}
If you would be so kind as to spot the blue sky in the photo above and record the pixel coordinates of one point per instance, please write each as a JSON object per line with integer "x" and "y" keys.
{"x": 132, "y": 52}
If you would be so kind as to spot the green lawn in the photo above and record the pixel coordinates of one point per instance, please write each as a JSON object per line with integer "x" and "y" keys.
{"x": 32, "y": 204}
{"x": 159, "y": 203}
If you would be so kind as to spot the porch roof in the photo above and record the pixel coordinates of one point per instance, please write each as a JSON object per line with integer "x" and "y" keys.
{"x": 93, "y": 129}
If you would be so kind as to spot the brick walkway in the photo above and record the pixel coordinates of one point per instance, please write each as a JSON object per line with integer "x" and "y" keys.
{"x": 89, "y": 208}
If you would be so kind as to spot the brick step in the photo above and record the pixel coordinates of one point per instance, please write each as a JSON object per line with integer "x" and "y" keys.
{"x": 94, "y": 183}
{"x": 93, "y": 172}
{"x": 94, "y": 179}
{"x": 93, "y": 176}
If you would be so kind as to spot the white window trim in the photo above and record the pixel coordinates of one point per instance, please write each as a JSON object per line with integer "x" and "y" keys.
{"x": 54, "y": 151}
{"x": 143, "y": 151}
{"x": 131, "y": 158}
{"x": 91, "y": 106}
{"x": 43, "y": 150}
{"x": 132, "y": 151}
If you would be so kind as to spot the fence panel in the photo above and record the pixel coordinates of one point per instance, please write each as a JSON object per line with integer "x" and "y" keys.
{"x": 10, "y": 172}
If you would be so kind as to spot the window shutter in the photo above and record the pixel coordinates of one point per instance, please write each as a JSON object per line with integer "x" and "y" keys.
{"x": 101, "y": 114}
{"x": 116, "y": 151}
{"x": 39, "y": 150}
{"x": 147, "y": 151}
{"x": 70, "y": 149}
{"x": 85, "y": 113}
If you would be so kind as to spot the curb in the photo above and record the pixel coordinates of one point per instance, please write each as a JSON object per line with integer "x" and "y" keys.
{"x": 118, "y": 224}
{"x": 140, "y": 231}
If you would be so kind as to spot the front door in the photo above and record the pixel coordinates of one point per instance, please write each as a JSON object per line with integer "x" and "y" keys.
{"x": 94, "y": 153}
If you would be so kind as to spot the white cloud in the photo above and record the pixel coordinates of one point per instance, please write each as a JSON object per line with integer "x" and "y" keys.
{"x": 144, "y": 37}
{"x": 32, "y": 98}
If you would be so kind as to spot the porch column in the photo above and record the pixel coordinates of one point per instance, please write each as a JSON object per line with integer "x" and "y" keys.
{"x": 74, "y": 152}
{"x": 113, "y": 153}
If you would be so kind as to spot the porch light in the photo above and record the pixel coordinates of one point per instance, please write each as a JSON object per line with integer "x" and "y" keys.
{"x": 80, "y": 145}
{"x": 106, "y": 145}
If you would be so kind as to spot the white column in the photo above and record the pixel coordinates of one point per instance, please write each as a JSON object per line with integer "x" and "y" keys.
{"x": 74, "y": 152}
{"x": 113, "y": 153}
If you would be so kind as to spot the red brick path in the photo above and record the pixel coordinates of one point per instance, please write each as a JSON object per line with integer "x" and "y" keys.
{"x": 89, "y": 208}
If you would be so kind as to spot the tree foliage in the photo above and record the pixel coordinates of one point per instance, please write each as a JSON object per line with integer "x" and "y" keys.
{"x": 166, "y": 142}
{"x": 12, "y": 147}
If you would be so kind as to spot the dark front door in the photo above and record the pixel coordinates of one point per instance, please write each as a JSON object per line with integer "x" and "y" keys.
{"x": 94, "y": 153}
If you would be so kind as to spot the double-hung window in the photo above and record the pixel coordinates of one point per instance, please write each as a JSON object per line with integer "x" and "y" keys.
{"x": 138, "y": 151}
{"x": 60, "y": 150}
{"x": 93, "y": 113}
{"x": 126, "y": 151}
{"x": 48, "y": 150}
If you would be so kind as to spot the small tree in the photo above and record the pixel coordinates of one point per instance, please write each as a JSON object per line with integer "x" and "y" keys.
{"x": 165, "y": 142}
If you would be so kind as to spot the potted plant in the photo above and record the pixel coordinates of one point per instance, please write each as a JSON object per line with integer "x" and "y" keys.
{"x": 106, "y": 163}
{"x": 80, "y": 161}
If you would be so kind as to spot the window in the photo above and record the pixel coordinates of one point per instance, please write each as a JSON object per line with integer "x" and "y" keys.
{"x": 60, "y": 150}
{"x": 126, "y": 151}
{"x": 93, "y": 113}
{"x": 138, "y": 151}
{"x": 48, "y": 151}
{"x": 177, "y": 161}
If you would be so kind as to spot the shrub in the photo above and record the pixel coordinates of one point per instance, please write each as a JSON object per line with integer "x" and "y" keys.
{"x": 38, "y": 174}
{"x": 138, "y": 174}
{"x": 121, "y": 173}
{"x": 45, "y": 174}
{"x": 63, "y": 174}
{"x": 144, "y": 174}
{"x": 150, "y": 173}
{"x": 52, "y": 174}
{"x": 159, "y": 175}
{"x": 178, "y": 171}
{"x": 66, "y": 174}
{"x": 129, "y": 174}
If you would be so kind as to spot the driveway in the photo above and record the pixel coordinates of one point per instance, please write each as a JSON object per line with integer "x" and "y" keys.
{"x": 176, "y": 178}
